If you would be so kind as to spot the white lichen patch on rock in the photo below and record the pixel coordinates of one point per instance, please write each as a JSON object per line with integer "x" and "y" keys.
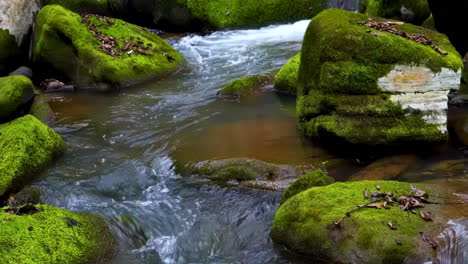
{"x": 420, "y": 90}
{"x": 17, "y": 16}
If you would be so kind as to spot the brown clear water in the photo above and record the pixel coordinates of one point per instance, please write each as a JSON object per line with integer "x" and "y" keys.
{"x": 124, "y": 148}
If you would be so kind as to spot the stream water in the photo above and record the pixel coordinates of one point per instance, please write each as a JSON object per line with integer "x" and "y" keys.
{"x": 125, "y": 151}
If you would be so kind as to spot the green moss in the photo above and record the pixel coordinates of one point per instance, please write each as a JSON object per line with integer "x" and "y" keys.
{"x": 429, "y": 23}
{"x": 305, "y": 182}
{"x": 392, "y": 9}
{"x": 15, "y": 92}
{"x": 47, "y": 237}
{"x": 286, "y": 79}
{"x": 26, "y": 146}
{"x": 238, "y": 13}
{"x": 374, "y": 130}
{"x": 8, "y": 50}
{"x": 65, "y": 43}
{"x": 246, "y": 85}
{"x": 304, "y": 224}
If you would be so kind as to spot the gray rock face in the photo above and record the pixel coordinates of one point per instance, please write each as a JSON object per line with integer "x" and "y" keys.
{"x": 17, "y": 16}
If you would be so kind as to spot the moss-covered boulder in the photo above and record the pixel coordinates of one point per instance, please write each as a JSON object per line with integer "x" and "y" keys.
{"x": 15, "y": 92}
{"x": 365, "y": 86}
{"x": 413, "y": 11}
{"x": 95, "y": 49}
{"x": 26, "y": 146}
{"x": 305, "y": 182}
{"x": 9, "y": 50}
{"x": 305, "y": 224}
{"x": 53, "y": 235}
{"x": 286, "y": 79}
{"x": 246, "y": 85}
{"x": 246, "y": 172}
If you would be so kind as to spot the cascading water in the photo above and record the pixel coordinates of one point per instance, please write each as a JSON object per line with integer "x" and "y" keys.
{"x": 454, "y": 243}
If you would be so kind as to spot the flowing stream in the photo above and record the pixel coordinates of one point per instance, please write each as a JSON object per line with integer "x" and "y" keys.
{"x": 125, "y": 152}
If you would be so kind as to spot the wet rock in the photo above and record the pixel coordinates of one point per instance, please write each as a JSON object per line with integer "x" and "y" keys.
{"x": 359, "y": 85}
{"x": 449, "y": 168}
{"x": 99, "y": 49}
{"x": 248, "y": 172}
{"x": 386, "y": 169}
{"x": 305, "y": 182}
{"x": 325, "y": 223}
{"x": 412, "y": 11}
{"x": 26, "y": 147}
{"x": 46, "y": 237}
{"x": 28, "y": 195}
{"x": 41, "y": 109}
{"x": 286, "y": 79}
{"x": 15, "y": 93}
{"x": 246, "y": 85}
{"x": 24, "y": 71}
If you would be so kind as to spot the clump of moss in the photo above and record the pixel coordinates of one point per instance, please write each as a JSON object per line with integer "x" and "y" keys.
{"x": 305, "y": 182}
{"x": 65, "y": 43}
{"x": 305, "y": 225}
{"x": 246, "y": 85}
{"x": 54, "y": 235}
{"x": 26, "y": 146}
{"x": 15, "y": 92}
{"x": 286, "y": 79}
{"x": 414, "y": 11}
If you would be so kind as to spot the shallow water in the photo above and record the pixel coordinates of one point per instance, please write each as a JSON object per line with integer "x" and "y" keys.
{"x": 124, "y": 151}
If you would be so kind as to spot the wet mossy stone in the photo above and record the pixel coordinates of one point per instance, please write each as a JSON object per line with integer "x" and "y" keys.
{"x": 9, "y": 50}
{"x": 286, "y": 78}
{"x": 365, "y": 86}
{"x": 26, "y": 147}
{"x": 305, "y": 225}
{"x": 15, "y": 92}
{"x": 413, "y": 11}
{"x": 41, "y": 109}
{"x": 242, "y": 13}
{"x": 54, "y": 235}
{"x": 305, "y": 182}
{"x": 246, "y": 85}
{"x": 64, "y": 43}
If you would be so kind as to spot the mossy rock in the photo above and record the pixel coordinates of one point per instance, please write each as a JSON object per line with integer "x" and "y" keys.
{"x": 246, "y": 85}
{"x": 9, "y": 50}
{"x": 305, "y": 182}
{"x": 54, "y": 235}
{"x": 413, "y": 11}
{"x": 26, "y": 147}
{"x": 305, "y": 224}
{"x": 41, "y": 109}
{"x": 360, "y": 85}
{"x": 242, "y": 13}
{"x": 15, "y": 92}
{"x": 286, "y": 79}
{"x": 64, "y": 42}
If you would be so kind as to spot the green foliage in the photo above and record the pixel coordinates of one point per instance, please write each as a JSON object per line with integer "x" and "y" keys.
{"x": 305, "y": 182}
{"x": 47, "y": 237}
{"x": 15, "y": 92}
{"x": 286, "y": 79}
{"x": 26, "y": 146}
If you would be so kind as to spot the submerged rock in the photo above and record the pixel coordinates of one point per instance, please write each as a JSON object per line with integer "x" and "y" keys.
{"x": 246, "y": 85}
{"x": 26, "y": 147}
{"x": 248, "y": 172}
{"x": 52, "y": 235}
{"x": 305, "y": 182}
{"x": 286, "y": 79}
{"x": 93, "y": 49}
{"x": 370, "y": 87}
{"x": 15, "y": 92}
{"x": 386, "y": 168}
{"x": 412, "y": 11}
{"x": 315, "y": 223}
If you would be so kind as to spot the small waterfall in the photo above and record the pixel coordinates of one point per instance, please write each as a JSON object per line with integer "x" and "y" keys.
{"x": 17, "y": 16}
{"x": 454, "y": 243}
{"x": 350, "y": 5}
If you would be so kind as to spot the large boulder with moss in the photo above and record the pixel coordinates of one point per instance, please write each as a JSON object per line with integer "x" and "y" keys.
{"x": 412, "y": 11}
{"x": 94, "y": 49}
{"x": 286, "y": 78}
{"x": 325, "y": 223}
{"x": 305, "y": 182}
{"x": 26, "y": 146}
{"x": 247, "y": 172}
{"x": 15, "y": 93}
{"x": 363, "y": 86}
{"x": 53, "y": 235}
